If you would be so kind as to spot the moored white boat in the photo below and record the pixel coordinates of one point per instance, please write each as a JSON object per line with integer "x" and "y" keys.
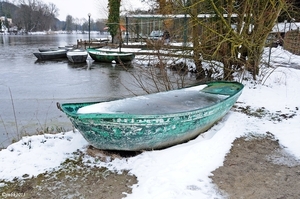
{"x": 77, "y": 55}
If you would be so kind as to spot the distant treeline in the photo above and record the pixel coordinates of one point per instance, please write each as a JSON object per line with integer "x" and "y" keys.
{"x": 38, "y": 16}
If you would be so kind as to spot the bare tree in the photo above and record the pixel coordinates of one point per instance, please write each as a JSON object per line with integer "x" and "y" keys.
{"x": 76, "y": 22}
{"x": 100, "y": 24}
{"x": 230, "y": 35}
{"x": 232, "y": 32}
{"x": 69, "y": 23}
{"x": 52, "y": 10}
{"x": 34, "y": 15}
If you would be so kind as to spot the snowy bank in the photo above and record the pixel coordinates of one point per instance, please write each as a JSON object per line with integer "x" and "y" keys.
{"x": 182, "y": 171}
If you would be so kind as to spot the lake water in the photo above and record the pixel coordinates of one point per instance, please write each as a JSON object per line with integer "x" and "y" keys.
{"x": 29, "y": 89}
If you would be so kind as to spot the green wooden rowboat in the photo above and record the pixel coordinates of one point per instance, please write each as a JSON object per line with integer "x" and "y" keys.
{"x": 104, "y": 55}
{"x": 153, "y": 121}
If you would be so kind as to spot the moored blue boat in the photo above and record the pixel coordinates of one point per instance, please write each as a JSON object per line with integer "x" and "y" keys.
{"x": 153, "y": 121}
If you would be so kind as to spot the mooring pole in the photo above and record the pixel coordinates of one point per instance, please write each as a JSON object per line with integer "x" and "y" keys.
{"x": 89, "y": 29}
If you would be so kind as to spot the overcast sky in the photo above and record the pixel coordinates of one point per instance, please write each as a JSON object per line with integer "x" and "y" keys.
{"x": 97, "y": 8}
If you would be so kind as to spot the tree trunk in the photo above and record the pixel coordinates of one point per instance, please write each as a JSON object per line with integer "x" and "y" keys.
{"x": 196, "y": 43}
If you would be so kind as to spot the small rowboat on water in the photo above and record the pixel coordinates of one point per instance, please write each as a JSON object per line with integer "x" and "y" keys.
{"x": 51, "y": 54}
{"x": 77, "y": 55}
{"x": 153, "y": 121}
{"x": 104, "y": 55}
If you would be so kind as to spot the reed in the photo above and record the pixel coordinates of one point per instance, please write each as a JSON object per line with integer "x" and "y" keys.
{"x": 20, "y": 131}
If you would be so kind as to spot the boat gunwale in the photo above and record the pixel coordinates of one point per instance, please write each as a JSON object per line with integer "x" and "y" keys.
{"x": 77, "y": 53}
{"x": 109, "y": 52}
{"x": 128, "y": 116}
{"x": 115, "y": 54}
{"x": 54, "y": 52}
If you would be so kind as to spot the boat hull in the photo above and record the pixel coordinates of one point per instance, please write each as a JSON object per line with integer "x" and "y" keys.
{"x": 50, "y": 55}
{"x": 77, "y": 58}
{"x": 147, "y": 132}
{"x": 77, "y": 55}
{"x": 110, "y": 56}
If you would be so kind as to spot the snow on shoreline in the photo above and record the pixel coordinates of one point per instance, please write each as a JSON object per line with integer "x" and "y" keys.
{"x": 36, "y": 154}
{"x": 181, "y": 171}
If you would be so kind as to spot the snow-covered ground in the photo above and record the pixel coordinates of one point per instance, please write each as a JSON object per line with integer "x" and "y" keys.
{"x": 181, "y": 171}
